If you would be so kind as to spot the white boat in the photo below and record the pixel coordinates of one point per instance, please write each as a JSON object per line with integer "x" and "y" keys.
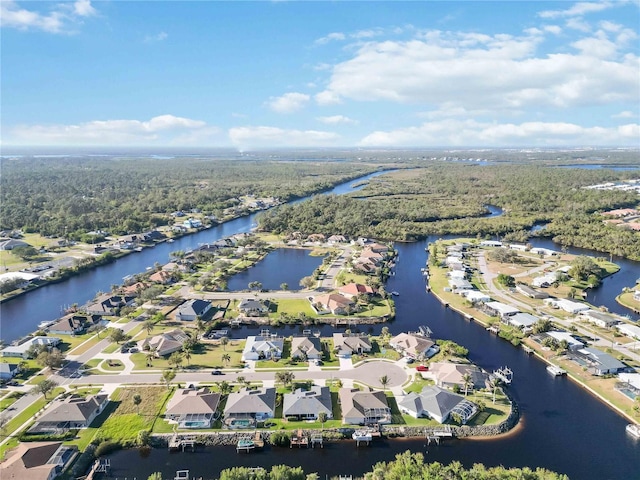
{"x": 45, "y": 324}
{"x": 633, "y": 429}
{"x": 556, "y": 371}
{"x": 362, "y": 435}
{"x": 395, "y": 294}
{"x": 171, "y": 240}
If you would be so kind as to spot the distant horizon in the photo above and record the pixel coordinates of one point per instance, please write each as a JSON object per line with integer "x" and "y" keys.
{"x": 263, "y": 75}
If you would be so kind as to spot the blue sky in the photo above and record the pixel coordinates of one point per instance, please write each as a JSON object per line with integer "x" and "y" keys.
{"x": 253, "y": 75}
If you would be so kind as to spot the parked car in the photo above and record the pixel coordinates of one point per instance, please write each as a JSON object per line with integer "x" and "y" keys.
{"x": 134, "y": 350}
{"x": 217, "y": 372}
{"x": 124, "y": 350}
{"x": 422, "y": 368}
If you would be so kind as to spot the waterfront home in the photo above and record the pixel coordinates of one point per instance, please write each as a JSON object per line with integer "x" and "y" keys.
{"x": 414, "y": 345}
{"x": 545, "y": 280}
{"x": 245, "y": 407}
{"x": 73, "y": 324}
{"x": 352, "y": 290}
{"x": 11, "y": 243}
{"x": 498, "y": 309}
{"x": 457, "y": 284}
{"x": 260, "y": 347}
{"x": 23, "y": 349}
{"x": 531, "y": 292}
{"x": 162, "y": 277}
{"x": 452, "y": 375}
{"x": 192, "y": 309}
{"x": 346, "y": 345}
{"x": 108, "y": 304}
{"x": 363, "y": 407}
{"x": 254, "y": 307}
{"x": 306, "y": 348}
{"x": 164, "y": 343}
{"x": 24, "y": 278}
{"x": 192, "y": 223}
{"x": 521, "y": 320}
{"x": 567, "y": 305}
{"x": 490, "y": 243}
{"x": 572, "y": 342}
{"x": 628, "y": 330}
{"x": 600, "y": 319}
{"x": 365, "y": 266}
{"x": 72, "y": 412}
{"x": 334, "y": 239}
{"x": 438, "y": 404}
{"x": 36, "y": 461}
{"x": 307, "y": 404}
{"x": 636, "y": 295}
{"x": 8, "y": 370}
{"x": 597, "y": 362}
{"x": 374, "y": 257}
{"x": 474, "y": 296}
{"x": 629, "y": 384}
{"x": 193, "y": 408}
{"x": 336, "y": 304}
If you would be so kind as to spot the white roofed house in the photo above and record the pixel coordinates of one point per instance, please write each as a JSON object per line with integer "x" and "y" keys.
{"x": 437, "y": 403}
{"x": 567, "y": 305}
{"x": 545, "y": 280}
{"x": 573, "y": 343}
{"x": 600, "y": 319}
{"x": 23, "y": 349}
{"x": 306, "y": 348}
{"x": 306, "y": 405}
{"x": 522, "y": 320}
{"x": 474, "y": 296}
{"x": 413, "y": 345}
{"x": 193, "y": 408}
{"x": 363, "y": 407}
{"x": 460, "y": 284}
{"x": 263, "y": 348}
{"x": 498, "y": 309}
{"x": 245, "y": 407}
{"x": 628, "y": 330}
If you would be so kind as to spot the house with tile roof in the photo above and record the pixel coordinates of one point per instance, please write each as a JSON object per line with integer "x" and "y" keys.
{"x": 437, "y": 403}
{"x": 346, "y": 345}
{"x": 165, "y": 343}
{"x": 245, "y": 407}
{"x": 450, "y": 375}
{"x": 307, "y": 348}
{"x": 36, "y": 461}
{"x": 336, "y": 304}
{"x": 193, "y": 407}
{"x": 307, "y": 404}
{"x": 192, "y": 309}
{"x": 414, "y": 345}
{"x": 72, "y": 412}
{"x": 363, "y": 407}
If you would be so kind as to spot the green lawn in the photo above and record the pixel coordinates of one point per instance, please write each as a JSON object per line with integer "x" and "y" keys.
{"x": 291, "y": 306}
{"x": 206, "y": 356}
{"x": 89, "y": 343}
{"x": 9, "y": 400}
{"x": 114, "y": 347}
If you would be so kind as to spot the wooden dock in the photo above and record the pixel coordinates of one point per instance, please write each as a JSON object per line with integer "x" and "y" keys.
{"x": 299, "y": 440}
{"x": 258, "y": 440}
{"x": 527, "y": 349}
{"x": 316, "y": 439}
{"x": 176, "y": 442}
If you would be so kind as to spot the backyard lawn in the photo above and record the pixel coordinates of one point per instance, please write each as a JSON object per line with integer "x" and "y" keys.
{"x": 205, "y": 356}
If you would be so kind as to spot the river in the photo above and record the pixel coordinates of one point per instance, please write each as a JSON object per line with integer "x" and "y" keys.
{"x": 563, "y": 428}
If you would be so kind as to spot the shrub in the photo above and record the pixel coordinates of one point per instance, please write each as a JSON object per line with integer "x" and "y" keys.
{"x": 280, "y": 439}
{"x": 106, "y": 448}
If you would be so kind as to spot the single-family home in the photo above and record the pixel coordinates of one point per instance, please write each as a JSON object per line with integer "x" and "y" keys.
{"x": 259, "y": 347}
{"x": 192, "y": 309}
{"x": 414, "y": 345}
{"x": 459, "y": 274}
{"x": 162, "y": 277}
{"x": 334, "y": 239}
{"x": 457, "y": 284}
{"x": 530, "y": 292}
{"x": 521, "y": 320}
{"x": 545, "y": 280}
{"x": 450, "y": 375}
{"x": 351, "y": 290}
{"x": 193, "y": 407}
{"x": 567, "y": 305}
{"x": 598, "y": 362}
{"x": 11, "y": 243}
{"x": 438, "y": 404}
{"x": 363, "y": 407}
{"x": 245, "y": 407}
{"x": 8, "y": 370}
{"x": 573, "y": 343}
{"x": 164, "y": 343}
{"x": 192, "y": 223}
{"x": 543, "y": 251}
{"x": 73, "y": 324}
{"x": 309, "y": 348}
{"x": 498, "y": 309}
{"x": 346, "y": 345}
{"x": 336, "y": 304}
{"x": 108, "y": 304}
{"x": 72, "y": 412}
{"x": 22, "y": 350}
{"x": 490, "y": 243}
{"x": 474, "y": 296}
{"x": 600, "y": 319}
{"x": 307, "y": 404}
{"x": 254, "y": 307}
{"x": 631, "y": 379}
{"x": 37, "y": 461}
{"x": 628, "y": 330}
{"x": 375, "y": 257}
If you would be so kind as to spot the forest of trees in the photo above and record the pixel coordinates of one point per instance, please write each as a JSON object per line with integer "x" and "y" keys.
{"x": 57, "y": 196}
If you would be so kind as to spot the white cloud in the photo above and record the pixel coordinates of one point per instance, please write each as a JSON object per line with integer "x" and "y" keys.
{"x": 577, "y": 10}
{"x": 60, "y": 19}
{"x": 335, "y": 36}
{"x": 470, "y": 132}
{"x": 288, "y": 103}
{"x": 625, "y": 114}
{"x": 246, "y": 138}
{"x": 335, "y": 119}
{"x": 478, "y": 72}
{"x": 163, "y": 129}
{"x": 555, "y": 29}
{"x": 156, "y": 38}
{"x": 578, "y": 24}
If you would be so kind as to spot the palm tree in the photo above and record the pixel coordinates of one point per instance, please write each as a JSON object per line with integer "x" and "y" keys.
{"x": 322, "y": 417}
{"x": 137, "y": 400}
{"x": 226, "y": 358}
{"x": 187, "y": 353}
{"x": 224, "y": 341}
{"x": 384, "y": 381}
{"x": 494, "y": 382}
{"x": 240, "y": 379}
{"x": 467, "y": 382}
{"x": 150, "y": 356}
{"x": 224, "y": 387}
{"x": 148, "y": 326}
{"x": 167, "y": 376}
{"x": 200, "y": 326}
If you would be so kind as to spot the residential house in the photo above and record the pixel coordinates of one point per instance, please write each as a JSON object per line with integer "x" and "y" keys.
{"x": 573, "y": 343}
{"x": 254, "y": 307}
{"x": 521, "y": 320}
{"x": 545, "y": 280}
{"x": 260, "y": 347}
{"x": 451, "y": 375}
{"x": 414, "y": 345}
{"x": 307, "y": 405}
{"x": 346, "y": 345}
{"x": 437, "y": 403}
{"x": 192, "y": 223}
{"x": 374, "y": 257}
{"x": 11, "y": 243}
{"x": 334, "y": 239}
{"x": 192, "y": 309}
{"x": 457, "y": 284}
{"x": 245, "y": 407}
{"x": 601, "y": 319}
{"x": 306, "y": 348}
{"x": 352, "y": 290}
{"x": 363, "y": 407}
{"x": 36, "y": 461}
{"x": 474, "y": 296}
{"x": 628, "y": 330}
{"x": 193, "y": 408}
{"x": 73, "y": 324}
{"x": 163, "y": 277}
{"x": 336, "y": 304}
{"x": 530, "y": 292}
{"x": 72, "y": 412}
{"x": 567, "y": 305}
{"x": 108, "y": 304}
{"x": 164, "y": 343}
{"x": 8, "y": 370}
{"x": 598, "y": 362}
{"x": 500, "y": 310}
{"x": 365, "y": 266}
{"x": 22, "y": 350}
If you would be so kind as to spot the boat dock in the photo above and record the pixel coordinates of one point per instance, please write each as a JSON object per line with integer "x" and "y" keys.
{"x": 245, "y": 445}
{"x": 299, "y": 440}
{"x": 493, "y": 329}
{"x": 177, "y": 443}
{"x": 316, "y": 439}
{"x": 527, "y": 349}
{"x": 362, "y": 436}
{"x": 436, "y": 435}
{"x": 556, "y": 371}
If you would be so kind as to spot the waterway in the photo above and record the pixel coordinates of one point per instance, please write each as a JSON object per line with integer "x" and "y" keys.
{"x": 563, "y": 428}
